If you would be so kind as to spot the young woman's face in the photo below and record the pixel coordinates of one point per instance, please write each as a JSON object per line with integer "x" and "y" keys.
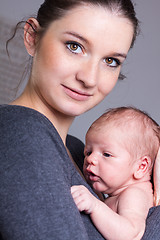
{"x": 79, "y": 59}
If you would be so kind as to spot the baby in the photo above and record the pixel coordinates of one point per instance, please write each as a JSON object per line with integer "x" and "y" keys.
{"x": 120, "y": 150}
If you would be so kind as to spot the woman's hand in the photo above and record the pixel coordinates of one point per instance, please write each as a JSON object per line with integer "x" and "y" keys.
{"x": 156, "y": 178}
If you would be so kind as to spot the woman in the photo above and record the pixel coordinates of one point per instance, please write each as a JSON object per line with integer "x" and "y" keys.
{"x": 78, "y": 48}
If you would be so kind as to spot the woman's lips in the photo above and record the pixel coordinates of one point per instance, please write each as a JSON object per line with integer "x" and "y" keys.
{"x": 76, "y": 94}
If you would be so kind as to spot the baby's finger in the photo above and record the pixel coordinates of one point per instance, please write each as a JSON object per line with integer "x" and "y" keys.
{"x": 74, "y": 189}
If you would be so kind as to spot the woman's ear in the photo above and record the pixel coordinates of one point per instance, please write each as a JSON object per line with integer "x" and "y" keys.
{"x": 143, "y": 166}
{"x": 30, "y": 32}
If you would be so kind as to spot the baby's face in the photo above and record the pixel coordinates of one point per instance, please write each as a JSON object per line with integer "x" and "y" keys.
{"x": 108, "y": 165}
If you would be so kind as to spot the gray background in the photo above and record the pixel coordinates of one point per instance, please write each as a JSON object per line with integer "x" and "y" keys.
{"x": 141, "y": 88}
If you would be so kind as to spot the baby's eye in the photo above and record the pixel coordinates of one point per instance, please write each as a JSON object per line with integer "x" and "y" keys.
{"x": 88, "y": 153}
{"x": 111, "y": 62}
{"x": 107, "y": 155}
{"x": 74, "y": 47}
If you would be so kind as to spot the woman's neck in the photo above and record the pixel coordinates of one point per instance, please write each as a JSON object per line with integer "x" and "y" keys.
{"x": 60, "y": 121}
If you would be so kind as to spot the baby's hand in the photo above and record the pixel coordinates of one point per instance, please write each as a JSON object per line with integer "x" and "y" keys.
{"x": 84, "y": 200}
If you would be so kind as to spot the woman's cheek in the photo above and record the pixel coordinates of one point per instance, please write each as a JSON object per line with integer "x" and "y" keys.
{"x": 106, "y": 86}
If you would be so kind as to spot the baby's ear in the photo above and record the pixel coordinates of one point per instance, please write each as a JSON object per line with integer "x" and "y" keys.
{"x": 143, "y": 166}
{"x": 30, "y": 32}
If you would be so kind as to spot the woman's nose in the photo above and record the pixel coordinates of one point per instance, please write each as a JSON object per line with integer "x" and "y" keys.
{"x": 88, "y": 73}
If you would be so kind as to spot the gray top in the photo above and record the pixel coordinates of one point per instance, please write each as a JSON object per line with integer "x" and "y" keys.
{"x": 36, "y": 174}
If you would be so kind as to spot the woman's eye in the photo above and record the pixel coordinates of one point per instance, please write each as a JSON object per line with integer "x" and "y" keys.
{"x": 107, "y": 155}
{"x": 111, "y": 62}
{"x": 74, "y": 47}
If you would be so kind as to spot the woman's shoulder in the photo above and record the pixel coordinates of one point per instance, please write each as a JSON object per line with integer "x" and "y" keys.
{"x": 28, "y": 136}
{"x": 23, "y": 119}
{"x": 19, "y": 112}
{"x": 24, "y": 125}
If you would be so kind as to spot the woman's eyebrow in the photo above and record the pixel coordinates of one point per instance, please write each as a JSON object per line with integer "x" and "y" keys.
{"x": 74, "y": 34}
{"x": 123, "y": 55}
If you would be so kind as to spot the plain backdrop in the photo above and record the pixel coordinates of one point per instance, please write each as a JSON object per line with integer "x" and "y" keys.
{"x": 141, "y": 87}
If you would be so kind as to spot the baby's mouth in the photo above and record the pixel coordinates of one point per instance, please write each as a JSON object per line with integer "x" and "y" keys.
{"x": 91, "y": 176}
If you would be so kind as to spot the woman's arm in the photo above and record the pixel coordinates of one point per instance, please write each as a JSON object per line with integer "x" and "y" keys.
{"x": 76, "y": 148}
{"x": 152, "y": 231}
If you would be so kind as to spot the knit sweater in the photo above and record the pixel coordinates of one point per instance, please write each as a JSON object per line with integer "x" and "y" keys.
{"x": 36, "y": 175}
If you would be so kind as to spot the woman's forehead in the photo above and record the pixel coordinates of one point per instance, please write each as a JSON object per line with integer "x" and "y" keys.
{"x": 95, "y": 23}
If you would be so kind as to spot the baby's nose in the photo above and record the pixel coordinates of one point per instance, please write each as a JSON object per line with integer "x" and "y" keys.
{"x": 91, "y": 159}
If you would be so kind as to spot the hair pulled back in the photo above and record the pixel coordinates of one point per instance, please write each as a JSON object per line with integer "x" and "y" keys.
{"x": 52, "y": 10}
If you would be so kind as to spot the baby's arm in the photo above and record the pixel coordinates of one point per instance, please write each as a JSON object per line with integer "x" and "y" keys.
{"x": 128, "y": 223}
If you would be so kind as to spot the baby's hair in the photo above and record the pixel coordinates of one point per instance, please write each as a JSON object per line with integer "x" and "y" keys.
{"x": 143, "y": 133}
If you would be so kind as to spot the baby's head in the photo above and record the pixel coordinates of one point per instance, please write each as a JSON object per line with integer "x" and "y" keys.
{"x": 138, "y": 131}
